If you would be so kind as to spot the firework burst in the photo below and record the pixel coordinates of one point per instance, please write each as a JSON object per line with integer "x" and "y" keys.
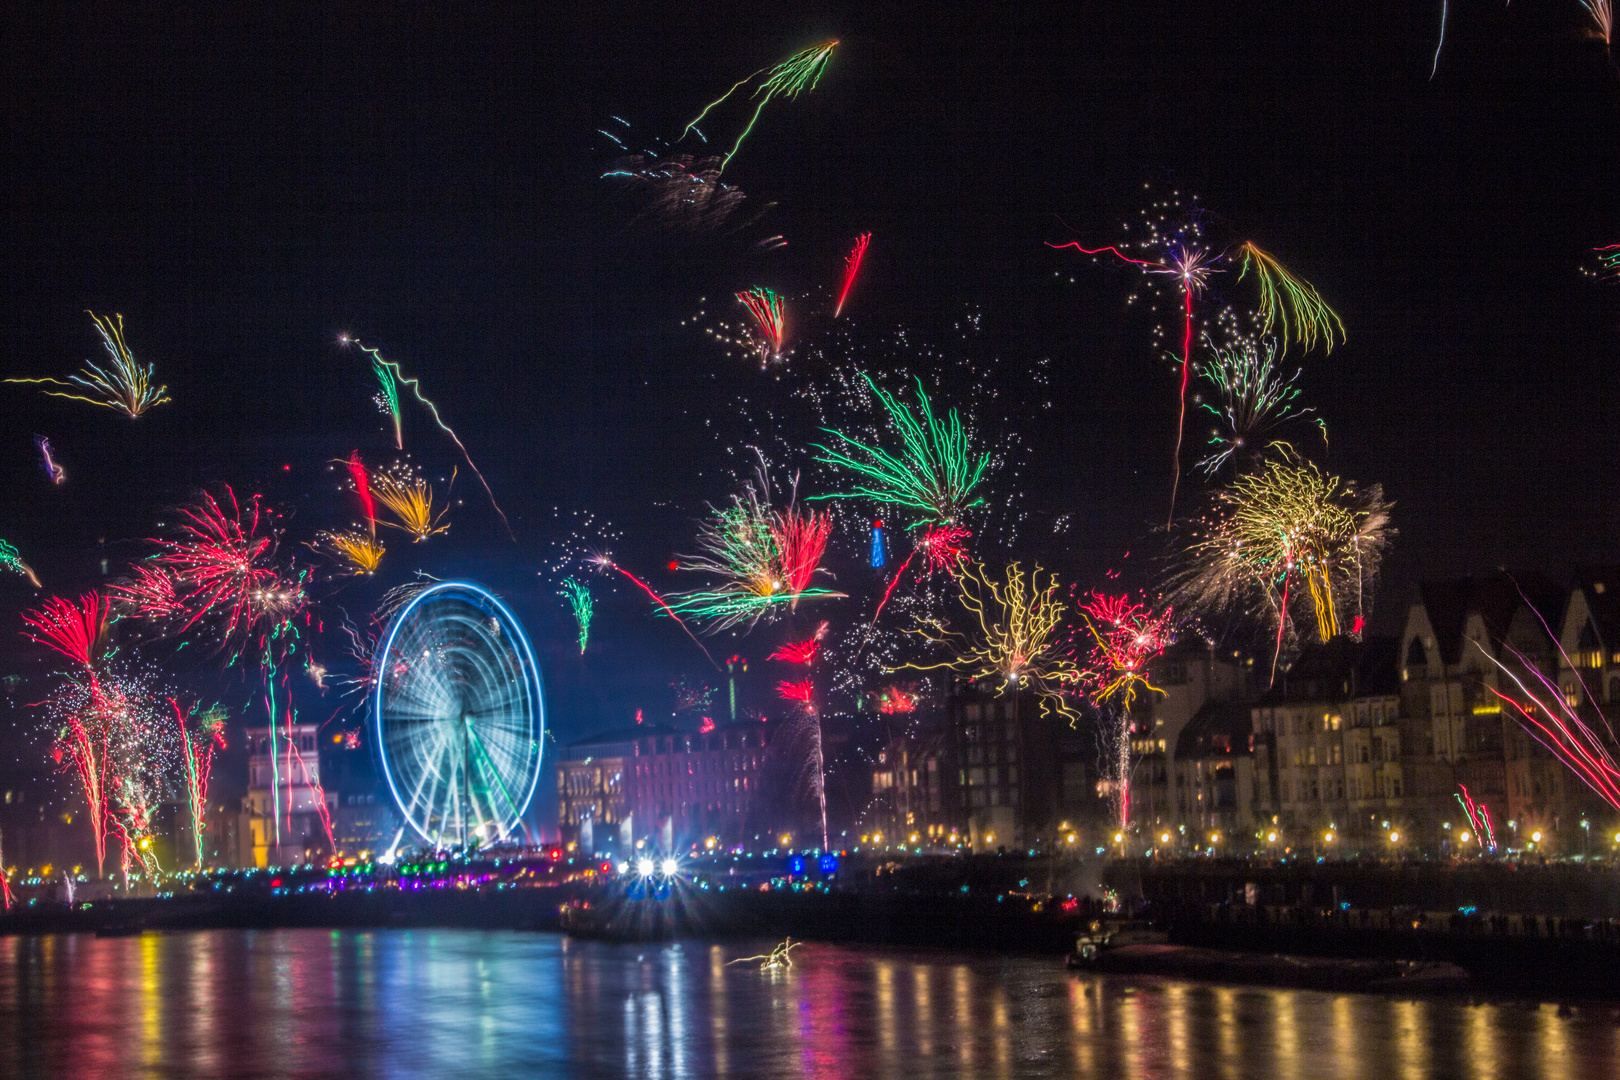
{"x": 790, "y": 78}
{"x": 197, "y": 749}
{"x": 578, "y": 596}
{"x": 767, "y": 309}
{"x": 1286, "y": 526}
{"x": 1173, "y": 246}
{"x": 1125, "y": 636}
{"x": 765, "y": 559}
{"x": 933, "y": 471}
{"x": 221, "y": 573}
{"x": 1253, "y": 398}
{"x": 852, "y": 267}
{"x": 358, "y": 552}
{"x": 405, "y": 494}
{"x": 1014, "y": 642}
{"x": 1289, "y": 303}
{"x": 396, "y": 377}
{"x": 11, "y": 560}
{"x": 123, "y": 385}
{"x": 109, "y": 731}
{"x": 74, "y": 630}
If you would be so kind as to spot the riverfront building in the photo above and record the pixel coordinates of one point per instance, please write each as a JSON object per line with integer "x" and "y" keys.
{"x": 651, "y": 786}
{"x": 285, "y": 815}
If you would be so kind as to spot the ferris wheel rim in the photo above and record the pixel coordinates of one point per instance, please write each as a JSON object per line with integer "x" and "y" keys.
{"x": 532, "y": 682}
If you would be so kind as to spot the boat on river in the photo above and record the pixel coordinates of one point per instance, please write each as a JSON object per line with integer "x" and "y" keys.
{"x": 1135, "y": 948}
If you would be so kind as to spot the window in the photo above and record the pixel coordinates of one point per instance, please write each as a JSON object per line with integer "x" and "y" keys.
{"x": 1337, "y": 720}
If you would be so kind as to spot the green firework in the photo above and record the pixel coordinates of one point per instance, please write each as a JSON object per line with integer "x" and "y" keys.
{"x": 790, "y": 78}
{"x": 578, "y": 596}
{"x": 934, "y": 470}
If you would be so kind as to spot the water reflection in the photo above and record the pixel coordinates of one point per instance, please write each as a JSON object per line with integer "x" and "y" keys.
{"x": 441, "y": 1003}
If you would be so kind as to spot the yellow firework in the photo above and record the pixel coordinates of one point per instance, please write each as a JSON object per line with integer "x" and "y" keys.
{"x": 1290, "y": 524}
{"x": 123, "y": 385}
{"x": 409, "y": 498}
{"x": 361, "y": 551}
{"x": 1290, "y": 303}
{"x": 1014, "y": 641}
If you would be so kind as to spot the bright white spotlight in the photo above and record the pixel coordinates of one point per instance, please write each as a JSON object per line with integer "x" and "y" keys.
{"x": 668, "y": 867}
{"x": 644, "y": 867}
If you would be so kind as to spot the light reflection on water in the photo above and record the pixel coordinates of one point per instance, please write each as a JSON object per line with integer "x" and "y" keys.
{"x": 433, "y": 1003}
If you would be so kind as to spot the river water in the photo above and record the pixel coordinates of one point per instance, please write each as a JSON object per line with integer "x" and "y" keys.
{"x": 443, "y": 1003}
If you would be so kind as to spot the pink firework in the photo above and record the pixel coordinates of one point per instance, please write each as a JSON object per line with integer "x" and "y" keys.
{"x": 852, "y": 267}
{"x": 1125, "y": 636}
{"x": 71, "y": 630}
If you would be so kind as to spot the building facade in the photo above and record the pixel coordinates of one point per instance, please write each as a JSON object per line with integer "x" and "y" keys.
{"x": 655, "y": 787}
{"x": 1333, "y": 751}
{"x": 286, "y": 815}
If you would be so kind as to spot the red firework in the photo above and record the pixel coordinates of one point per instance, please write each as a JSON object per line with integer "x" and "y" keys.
{"x": 71, "y": 631}
{"x": 942, "y": 546}
{"x": 942, "y": 549}
{"x": 800, "y": 691}
{"x": 801, "y": 538}
{"x": 222, "y": 567}
{"x": 150, "y": 591}
{"x": 1126, "y": 635}
{"x": 1547, "y": 715}
{"x": 707, "y": 726}
{"x": 893, "y": 700}
{"x": 362, "y": 488}
{"x": 606, "y": 562}
{"x": 797, "y": 652}
{"x": 1191, "y": 267}
{"x": 852, "y": 266}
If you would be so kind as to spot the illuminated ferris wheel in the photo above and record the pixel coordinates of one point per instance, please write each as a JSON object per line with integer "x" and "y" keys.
{"x": 460, "y": 716}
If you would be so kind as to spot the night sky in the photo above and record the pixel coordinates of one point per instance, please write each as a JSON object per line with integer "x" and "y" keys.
{"x": 246, "y": 185}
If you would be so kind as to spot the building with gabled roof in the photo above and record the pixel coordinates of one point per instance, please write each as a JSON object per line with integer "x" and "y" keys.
{"x": 1467, "y": 645}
